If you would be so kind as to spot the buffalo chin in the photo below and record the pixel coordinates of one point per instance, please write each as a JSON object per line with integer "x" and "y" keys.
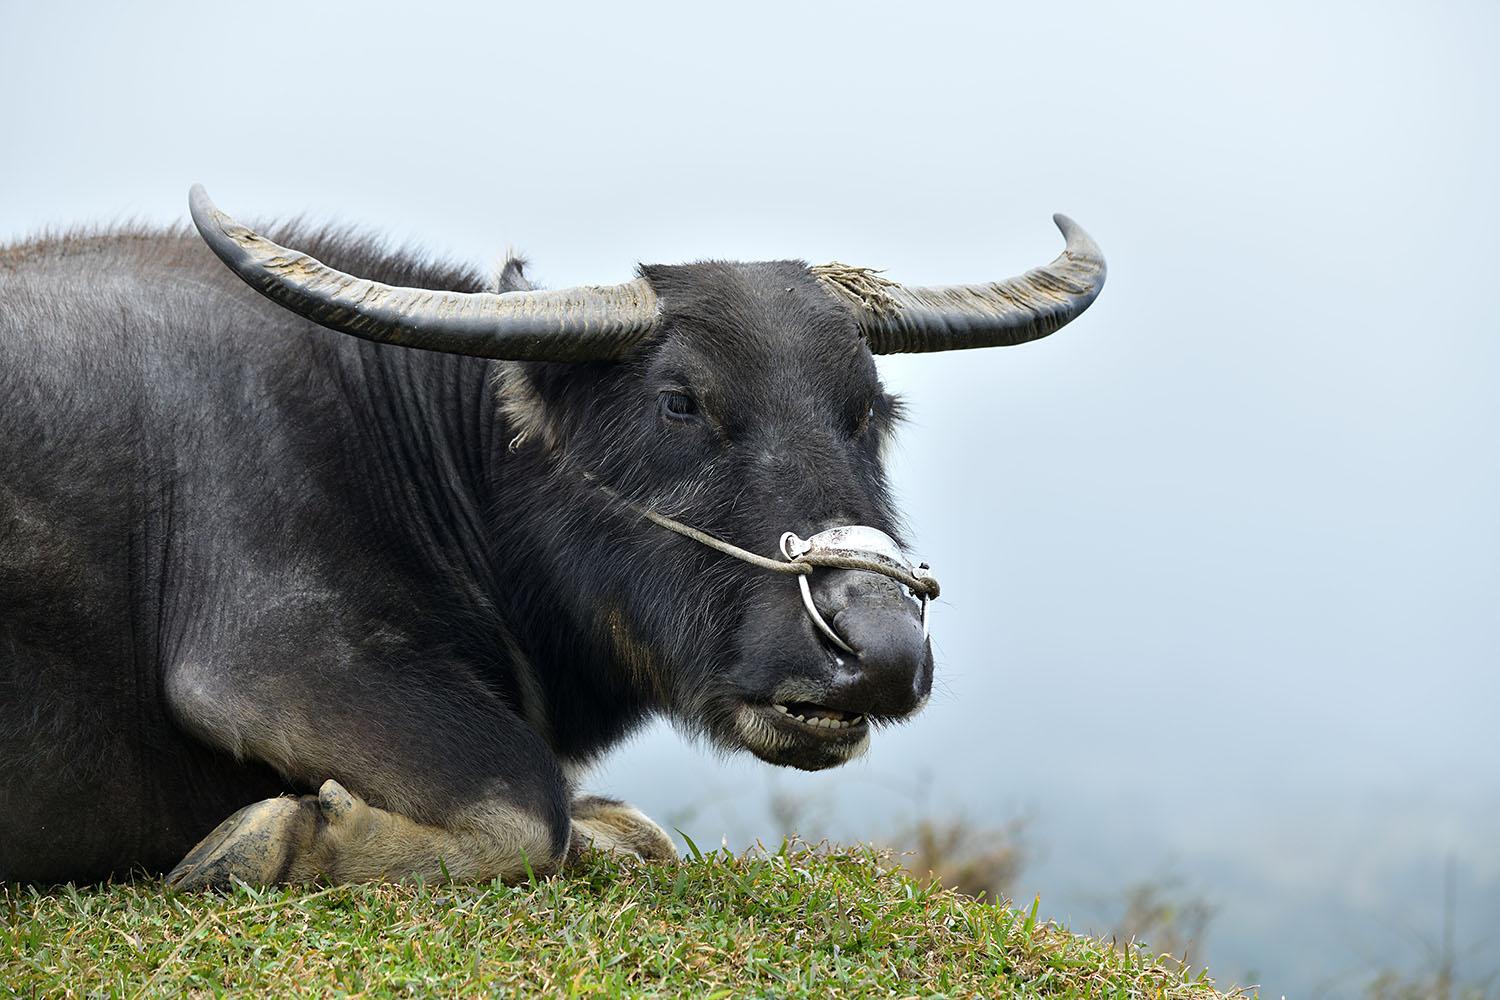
{"x": 778, "y": 739}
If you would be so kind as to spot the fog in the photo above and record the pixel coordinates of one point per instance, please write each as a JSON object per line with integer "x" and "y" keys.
{"x": 1220, "y": 560}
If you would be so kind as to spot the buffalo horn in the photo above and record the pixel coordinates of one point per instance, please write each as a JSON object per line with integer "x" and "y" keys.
{"x": 896, "y": 319}
{"x": 574, "y": 324}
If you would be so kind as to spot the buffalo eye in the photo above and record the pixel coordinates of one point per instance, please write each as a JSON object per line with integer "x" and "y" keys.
{"x": 678, "y": 406}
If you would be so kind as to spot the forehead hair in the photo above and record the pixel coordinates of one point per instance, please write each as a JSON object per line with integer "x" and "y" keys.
{"x": 753, "y": 321}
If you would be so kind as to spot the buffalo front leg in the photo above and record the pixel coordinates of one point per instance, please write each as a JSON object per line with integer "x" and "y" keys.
{"x": 338, "y": 837}
{"x": 611, "y": 825}
{"x": 335, "y": 836}
{"x": 434, "y": 778}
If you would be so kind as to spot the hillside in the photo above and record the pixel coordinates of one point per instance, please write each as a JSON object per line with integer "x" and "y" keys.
{"x": 799, "y": 923}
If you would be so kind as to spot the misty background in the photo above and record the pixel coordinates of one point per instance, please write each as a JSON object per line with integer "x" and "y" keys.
{"x": 1220, "y": 560}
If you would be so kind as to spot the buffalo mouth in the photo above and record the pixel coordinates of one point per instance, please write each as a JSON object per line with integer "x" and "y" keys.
{"x": 801, "y": 734}
{"x": 818, "y": 718}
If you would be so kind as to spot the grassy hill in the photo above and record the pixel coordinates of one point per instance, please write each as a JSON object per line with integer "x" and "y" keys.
{"x": 798, "y": 923}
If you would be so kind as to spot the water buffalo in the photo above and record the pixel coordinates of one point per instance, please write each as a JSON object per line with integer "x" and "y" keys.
{"x": 377, "y": 598}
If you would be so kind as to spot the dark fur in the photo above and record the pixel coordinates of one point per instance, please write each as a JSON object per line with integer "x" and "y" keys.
{"x": 240, "y": 554}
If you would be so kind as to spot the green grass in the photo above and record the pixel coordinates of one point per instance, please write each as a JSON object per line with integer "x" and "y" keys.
{"x": 798, "y": 923}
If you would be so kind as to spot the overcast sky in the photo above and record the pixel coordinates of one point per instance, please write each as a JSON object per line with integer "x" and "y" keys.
{"x": 1220, "y": 560}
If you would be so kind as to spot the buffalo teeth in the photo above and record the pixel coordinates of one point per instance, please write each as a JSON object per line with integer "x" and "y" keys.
{"x": 819, "y": 723}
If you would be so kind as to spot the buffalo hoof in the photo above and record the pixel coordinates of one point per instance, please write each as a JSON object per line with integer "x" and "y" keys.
{"x": 260, "y": 845}
{"x": 618, "y": 827}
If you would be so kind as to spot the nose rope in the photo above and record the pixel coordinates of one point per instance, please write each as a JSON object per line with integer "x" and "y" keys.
{"x": 704, "y": 538}
{"x": 802, "y": 556}
{"x": 923, "y": 586}
{"x": 836, "y": 548}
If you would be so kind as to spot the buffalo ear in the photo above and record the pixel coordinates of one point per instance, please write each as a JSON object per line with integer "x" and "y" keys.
{"x": 525, "y": 411}
{"x": 512, "y": 275}
{"x": 520, "y": 400}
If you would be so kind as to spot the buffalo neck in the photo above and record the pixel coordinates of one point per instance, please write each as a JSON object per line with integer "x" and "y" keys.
{"x": 558, "y": 545}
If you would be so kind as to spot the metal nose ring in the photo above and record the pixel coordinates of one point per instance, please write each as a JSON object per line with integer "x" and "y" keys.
{"x": 854, "y": 546}
{"x": 824, "y": 627}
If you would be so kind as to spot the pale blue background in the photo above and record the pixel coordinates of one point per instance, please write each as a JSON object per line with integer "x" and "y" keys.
{"x": 1221, "y": 559}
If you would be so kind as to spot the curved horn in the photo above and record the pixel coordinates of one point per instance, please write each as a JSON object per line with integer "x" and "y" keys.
{"x": 896, "y": 319}
{"x": 574, "y": 324}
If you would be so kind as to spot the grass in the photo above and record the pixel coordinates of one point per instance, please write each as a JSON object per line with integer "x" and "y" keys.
{"x": 801, "y": 922}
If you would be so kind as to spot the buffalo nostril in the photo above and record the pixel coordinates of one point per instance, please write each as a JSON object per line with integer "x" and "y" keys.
{"x": 889, "y": 675}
